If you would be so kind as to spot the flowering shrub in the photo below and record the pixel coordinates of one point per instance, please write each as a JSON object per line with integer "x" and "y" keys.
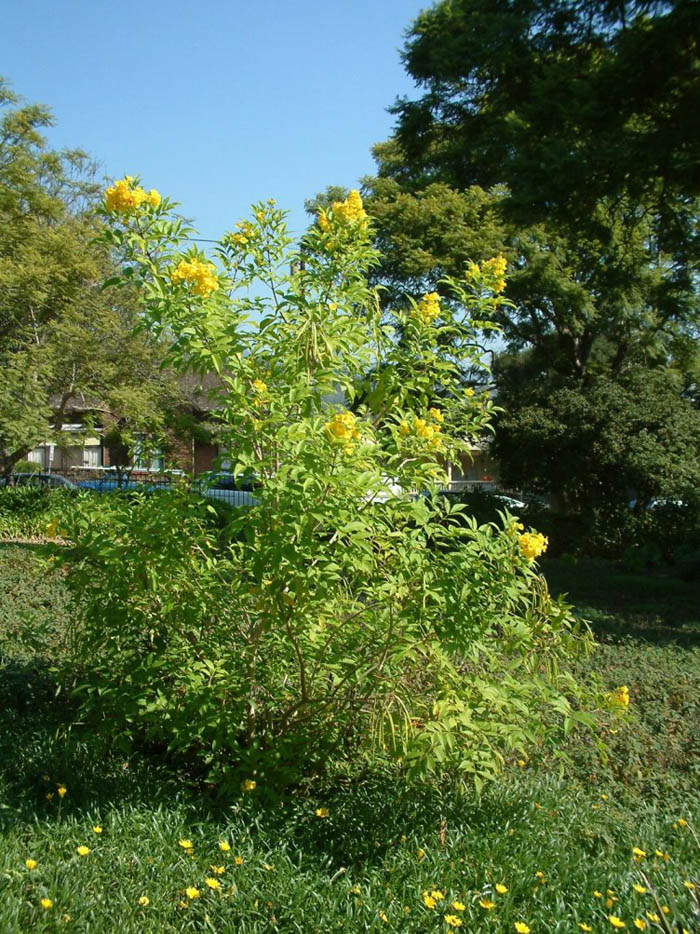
{"x": 341, "y": 612}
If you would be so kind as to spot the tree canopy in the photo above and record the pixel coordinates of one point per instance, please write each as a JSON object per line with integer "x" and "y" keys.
{"x": 62, "y": 337}
{"x": 560, "y": 133}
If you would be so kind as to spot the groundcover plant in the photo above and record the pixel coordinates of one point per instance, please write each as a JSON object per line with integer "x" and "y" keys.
{"x": 350, "y": 611}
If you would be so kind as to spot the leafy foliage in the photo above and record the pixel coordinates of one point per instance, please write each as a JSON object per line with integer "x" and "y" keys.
{"x": 341, "y": 613}
{"x": 547, "y": 131}
{"x": 62, "y": 339}
{"x": 382, "y": 844}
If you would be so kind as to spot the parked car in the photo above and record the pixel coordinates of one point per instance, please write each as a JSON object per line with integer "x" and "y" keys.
{"x": 109, "y": 484}
{"x": 225, "y": 488}
{"x": 509, "y": 501}
{"x": 49, "y": 481}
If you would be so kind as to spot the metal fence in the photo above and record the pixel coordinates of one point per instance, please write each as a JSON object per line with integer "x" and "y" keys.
{"x": 217, "y": 487}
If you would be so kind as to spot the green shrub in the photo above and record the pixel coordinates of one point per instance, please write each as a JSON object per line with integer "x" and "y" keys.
{"x": 339, "y": 617}
{"x": 25, "y": 511}
{"x": 27, "y": 467}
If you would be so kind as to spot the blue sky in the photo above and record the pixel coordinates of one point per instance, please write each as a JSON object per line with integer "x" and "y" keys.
{"x": 217, "y": 104}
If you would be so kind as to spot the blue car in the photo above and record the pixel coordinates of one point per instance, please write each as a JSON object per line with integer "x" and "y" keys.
{"x": 108, "y": 485}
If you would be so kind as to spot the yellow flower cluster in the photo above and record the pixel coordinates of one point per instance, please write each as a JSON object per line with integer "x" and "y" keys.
{"x": 201, "y": 276}
{"x": 620, "y": 697}
{"x": 428, "y": 308}
{"x": 124, "y": 197}
{"x": 428, "y": 432}
{"x": 342, "y": 429}
{"x": 533, "y": 544}
{"x": 424, "y": 429}
{"x": 491, "y": 273}
{"x": 350, "y": 211}
{"x": 246, "y": 232}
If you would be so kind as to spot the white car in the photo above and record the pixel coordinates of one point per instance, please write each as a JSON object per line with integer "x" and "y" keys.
{"x": 225, "y": 488}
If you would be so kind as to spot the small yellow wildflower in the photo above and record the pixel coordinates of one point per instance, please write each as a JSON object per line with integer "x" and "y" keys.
{"x": 584, "y": 926}
{"x": 640, "y": 924}
{"x": 436, "y": 415}
{"x": 383, "y": 917}
{"x": 522, "y": 763}
{"x": 238, "y": 860}
{"x": 469, "y": 392}
{"x": 321, "y": 812}
{"x": 356, "y": 890}
{"x": 487, "y": 903}
{"x": 260, "y": 387}
{"x": 459, "y": 906}
{"x": 212, "y": 883}
{"x": 540, "y": 876}
{"x": 638, "y": 854}
{"x": 82, "y": 850}
{"x": 30, "y": 863}
{"x": 501, "y": 889}
{"x": 154, "y": 198}
{"x": 46, "y": 903}
{"x": 218, "y": 869}
{"x": 521, "y": 927}
{"x": 690, "y": 885}
{"x": 437, "y": 895}
{"x": 49, "y": 795}
{"x": 620, "y": 697}
{"x": 223, "y": 846}
{"x": 639, "y": 888}
{"x": 61, "y": 791}
{"x": 249, "y": 784}
{"x": 597, "y": 894}
{"x": 453, "y": 920}
{"x": 653, "y": 917}
{"x": 191, "y": 892}
{"x": 185, "y": 844}
{"x": 420, "y": 854}
{"x": 428, "y": 901}
{"x": 267, "y": 867}
{"x": 666, "y": 910}
{"x": 97, "y": 829}
{"x": 616, "y": 922}
{"x": 610, "y": 902}
{"x": 144, "y": 901}
{"x": 682, "y": 822}
{"x": 604, "y": 797}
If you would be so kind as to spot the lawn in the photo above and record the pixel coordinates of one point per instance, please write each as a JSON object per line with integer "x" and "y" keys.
{"x": 549, "y": 849}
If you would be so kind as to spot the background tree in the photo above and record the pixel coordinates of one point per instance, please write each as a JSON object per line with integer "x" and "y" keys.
{"x": 62, "y": 337}
{"x": 539, "y": 133}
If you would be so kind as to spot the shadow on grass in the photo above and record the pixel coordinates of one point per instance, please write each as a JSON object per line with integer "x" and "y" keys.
{"x": 42, "y": 746}
{"x": 621, "y": 604}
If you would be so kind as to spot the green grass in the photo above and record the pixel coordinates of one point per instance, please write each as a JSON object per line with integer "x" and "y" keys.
{"x": 302, "y": 873}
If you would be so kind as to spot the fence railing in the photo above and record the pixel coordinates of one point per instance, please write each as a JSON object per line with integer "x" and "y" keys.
{"x": 220, "y": 488}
